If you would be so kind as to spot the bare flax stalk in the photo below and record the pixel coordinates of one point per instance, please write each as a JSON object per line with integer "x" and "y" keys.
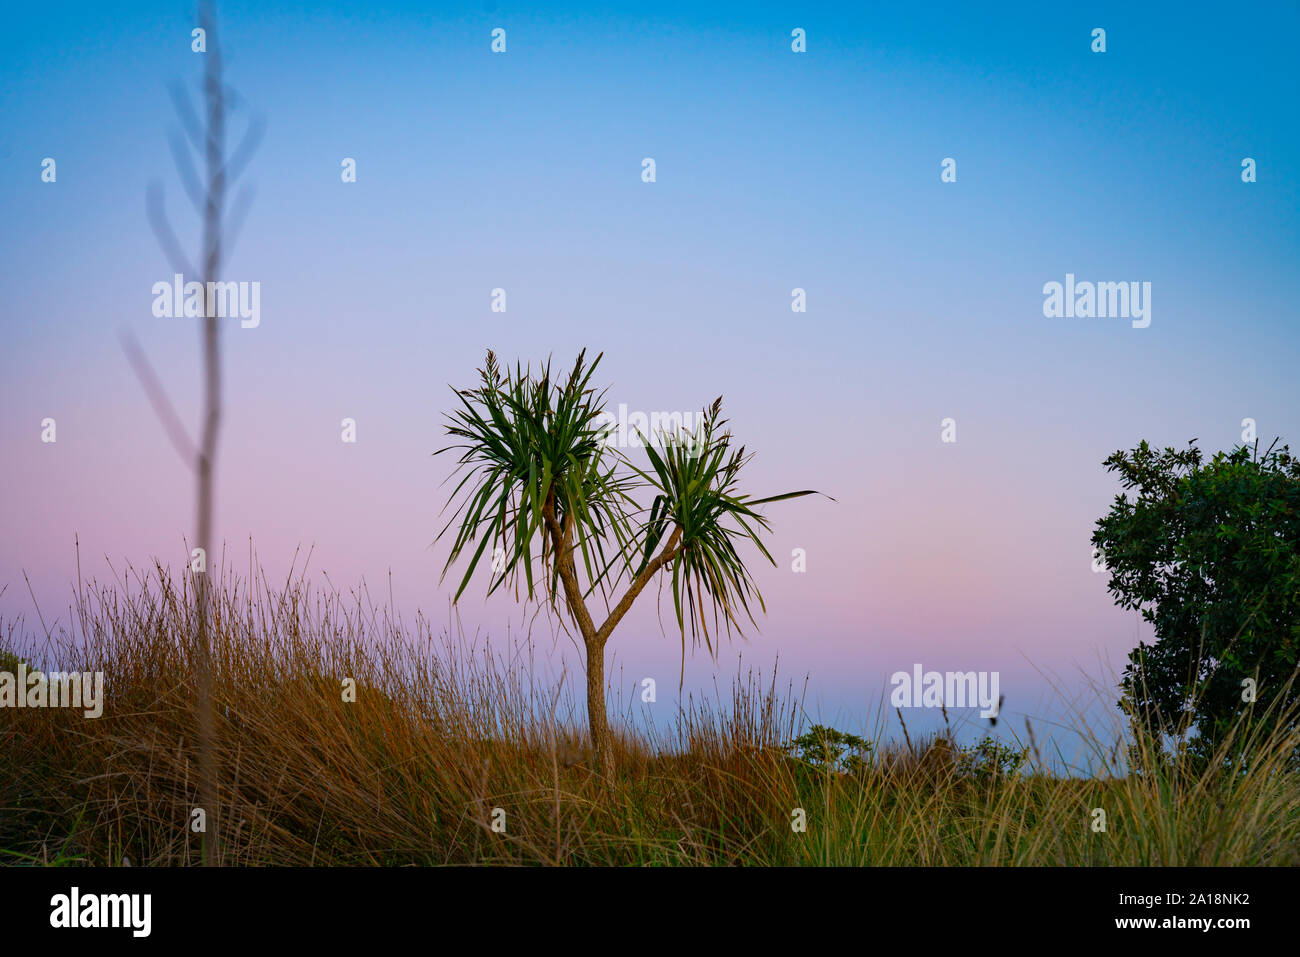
{"x": 208, "y": 139}
{"x": 209, "y": 794}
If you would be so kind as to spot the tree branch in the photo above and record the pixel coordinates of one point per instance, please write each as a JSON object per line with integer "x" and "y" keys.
{"x": 171, "y": 422}
{"x": 162, "y": 230}
{"x": 663, "y": 558}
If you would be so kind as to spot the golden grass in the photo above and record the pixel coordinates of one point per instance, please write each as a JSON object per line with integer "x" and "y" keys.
{"x": 442, "y": 733}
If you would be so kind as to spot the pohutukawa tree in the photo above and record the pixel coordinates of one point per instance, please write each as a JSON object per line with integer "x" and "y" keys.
{"x": 546, "y": 497}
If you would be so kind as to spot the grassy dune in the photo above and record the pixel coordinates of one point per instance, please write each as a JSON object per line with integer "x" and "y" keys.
{"x": 440, "y": 734}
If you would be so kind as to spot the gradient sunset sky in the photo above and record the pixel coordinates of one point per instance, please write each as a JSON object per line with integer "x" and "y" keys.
{"x": 775, "y": 170}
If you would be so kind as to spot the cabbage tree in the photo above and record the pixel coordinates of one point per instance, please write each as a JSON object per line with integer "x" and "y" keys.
{"x": 547, "y": 506}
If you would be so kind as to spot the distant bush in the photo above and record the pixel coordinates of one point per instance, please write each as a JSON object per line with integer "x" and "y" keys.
{"x": 989, "y": 759}
{"x": 824, "y": 748}
{"x": 828, "y": 749}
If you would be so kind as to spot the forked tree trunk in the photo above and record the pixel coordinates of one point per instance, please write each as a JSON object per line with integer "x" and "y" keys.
{"x": 594, "y": 638}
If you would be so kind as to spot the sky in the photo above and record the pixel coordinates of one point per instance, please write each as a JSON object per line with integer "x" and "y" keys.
{"x": 775, "y": 170}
